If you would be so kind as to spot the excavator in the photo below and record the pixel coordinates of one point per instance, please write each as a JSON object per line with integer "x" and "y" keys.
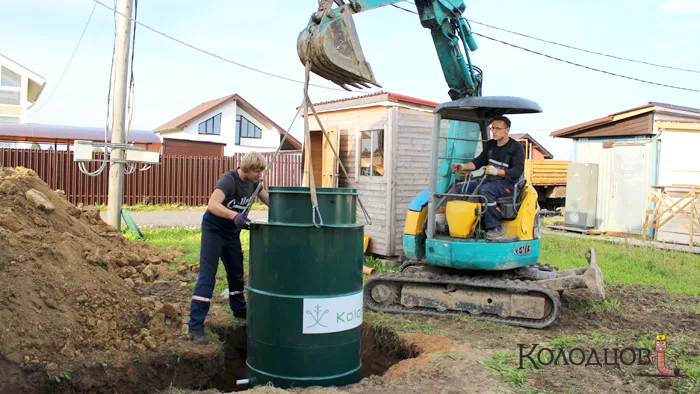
{"x": 449, "y": 268}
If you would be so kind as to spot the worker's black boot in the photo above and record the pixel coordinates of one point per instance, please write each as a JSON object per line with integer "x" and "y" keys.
{"x": 497, "y": 235}
{"x": 199, "y": 336}
{"x": 241, "y": 313}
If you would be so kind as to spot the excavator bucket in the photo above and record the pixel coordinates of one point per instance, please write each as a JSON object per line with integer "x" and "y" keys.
{"x": 333, "y": 49}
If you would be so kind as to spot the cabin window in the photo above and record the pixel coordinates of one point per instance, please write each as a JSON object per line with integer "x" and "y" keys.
{"x": 372, "y": 152}
{"x": 211, "y": 125}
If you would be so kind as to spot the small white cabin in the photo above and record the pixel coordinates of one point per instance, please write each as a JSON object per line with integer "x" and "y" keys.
{"x": 391, "y": 167}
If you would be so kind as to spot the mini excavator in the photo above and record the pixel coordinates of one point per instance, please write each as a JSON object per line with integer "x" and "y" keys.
{"x": 448, "y": 267}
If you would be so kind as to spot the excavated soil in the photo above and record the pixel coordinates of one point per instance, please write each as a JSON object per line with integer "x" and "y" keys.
{"x": 81, "y": 307}
{"x": 84, "y": 310}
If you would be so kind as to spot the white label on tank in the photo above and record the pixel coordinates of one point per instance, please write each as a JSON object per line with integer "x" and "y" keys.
{"x": 335, "y": 314}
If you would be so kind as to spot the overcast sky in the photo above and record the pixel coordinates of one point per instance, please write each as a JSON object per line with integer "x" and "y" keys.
{"x": 171, "y": 78}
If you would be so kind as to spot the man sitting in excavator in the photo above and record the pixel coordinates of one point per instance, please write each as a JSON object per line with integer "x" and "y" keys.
{"x": 504, "y": 159}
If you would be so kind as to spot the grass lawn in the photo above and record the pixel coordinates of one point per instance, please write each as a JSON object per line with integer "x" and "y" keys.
{"x": 141, "y": 207}
{"x": 623, "y": 264}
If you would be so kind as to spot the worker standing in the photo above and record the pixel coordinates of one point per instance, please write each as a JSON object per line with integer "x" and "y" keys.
{"x": 221, "y": 228}
{"x": 504, "y": 161}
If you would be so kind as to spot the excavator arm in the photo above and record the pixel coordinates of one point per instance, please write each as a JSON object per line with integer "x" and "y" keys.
{"x": 331, "y": 45}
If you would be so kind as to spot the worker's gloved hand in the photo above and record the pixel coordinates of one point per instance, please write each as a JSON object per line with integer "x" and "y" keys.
{"x": 241, "y": 221}
{"x": 491, "y": 170}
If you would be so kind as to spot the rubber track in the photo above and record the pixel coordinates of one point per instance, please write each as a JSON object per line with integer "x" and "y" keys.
{"x": 482, "y": 282}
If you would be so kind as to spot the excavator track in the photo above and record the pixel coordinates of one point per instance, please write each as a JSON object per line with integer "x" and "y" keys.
{"x": 443, "y": 283}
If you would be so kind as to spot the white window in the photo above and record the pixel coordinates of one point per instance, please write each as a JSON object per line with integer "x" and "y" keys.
{"x": 10, "y": 78}
{"x": 9, "y": 119}
{"x": 10, "y": 87}
{"x": 371, "y": 161}
{"x": 246, "y": 129}
{"x": 211, "y": 125}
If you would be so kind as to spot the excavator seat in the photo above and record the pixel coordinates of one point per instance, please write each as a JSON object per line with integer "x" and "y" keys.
{"x": 510, "y": 205}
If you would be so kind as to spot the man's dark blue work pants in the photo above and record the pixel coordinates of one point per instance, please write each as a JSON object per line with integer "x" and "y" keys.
{"x": 492, "y": 190}
{"x": 227, "y": 246}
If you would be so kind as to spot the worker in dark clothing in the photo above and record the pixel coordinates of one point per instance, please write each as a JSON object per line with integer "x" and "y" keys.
{"x": 221, "y": 228}
{"x": 504, "y": 162}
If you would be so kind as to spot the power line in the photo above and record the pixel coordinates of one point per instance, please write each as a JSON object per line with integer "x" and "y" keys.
{"x": 587, "y": 67}
{"x": 215, "y": 55}
{"x": 567, "y": 61}
{"x": 569, "y": 46}
{"x": 585, "y": 50}
{"x": 69, "y": 61}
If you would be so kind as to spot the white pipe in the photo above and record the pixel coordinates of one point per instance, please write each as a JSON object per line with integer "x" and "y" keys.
{"x": 241, "y": 381}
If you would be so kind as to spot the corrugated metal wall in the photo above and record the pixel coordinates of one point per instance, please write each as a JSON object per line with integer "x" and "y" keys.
{"x": 586, "y": 151}
{"x": 592, "y": 151}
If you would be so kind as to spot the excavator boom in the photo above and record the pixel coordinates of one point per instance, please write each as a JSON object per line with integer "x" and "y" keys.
{"x": 331, "y": 46}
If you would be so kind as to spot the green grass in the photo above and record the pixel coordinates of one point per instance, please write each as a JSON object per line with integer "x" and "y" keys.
{"x": 190, "y": 240}
{"x": 550, "y": 220}
{"x": 625, "y": 264}
{"x": 506, "y": 365}
{"x": 621, "y": 264}
{"x": 145, "y": 207}
{"x": 400, "y": 323}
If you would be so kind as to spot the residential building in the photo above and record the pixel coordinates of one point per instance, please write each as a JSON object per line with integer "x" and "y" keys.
{"x": 19, "y": 87}
{"x": 229, "y": 120}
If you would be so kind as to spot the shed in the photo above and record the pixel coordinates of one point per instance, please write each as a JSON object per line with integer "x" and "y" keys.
{"x": 651, "y": 145}
{"x": 391, "y": 168}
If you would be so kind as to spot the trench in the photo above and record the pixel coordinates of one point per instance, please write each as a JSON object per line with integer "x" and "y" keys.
{"x": 381, "y": 348}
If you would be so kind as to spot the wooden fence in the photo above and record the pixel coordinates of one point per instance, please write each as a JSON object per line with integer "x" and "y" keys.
{"x": 187, "y": 180}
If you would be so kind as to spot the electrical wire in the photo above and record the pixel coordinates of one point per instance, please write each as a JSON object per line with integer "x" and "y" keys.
{"x": 570, "y": 62}
{"x": 586, "y": 50}
{"x": 69, "y": 62}
{"x": 587, "y": 67}
{"x": 218, "y": 56}
{"x": 81, "y": 165}
{"x": 570, "y": 46}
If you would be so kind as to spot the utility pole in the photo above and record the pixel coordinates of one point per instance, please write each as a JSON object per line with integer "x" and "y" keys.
{"x": 116, "y": 170}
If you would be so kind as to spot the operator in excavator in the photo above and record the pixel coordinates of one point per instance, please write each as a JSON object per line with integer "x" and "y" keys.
{"x": 504, "y": 161}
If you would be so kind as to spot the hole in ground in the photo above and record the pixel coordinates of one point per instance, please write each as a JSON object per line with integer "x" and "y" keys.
{"x": 197, "y": 369}
{"x": 381, "y": 348}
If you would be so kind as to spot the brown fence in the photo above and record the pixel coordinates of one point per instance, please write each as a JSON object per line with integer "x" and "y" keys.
{"x": 187, "y": 180}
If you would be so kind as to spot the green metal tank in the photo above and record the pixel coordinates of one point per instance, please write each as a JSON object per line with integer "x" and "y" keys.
{"x": 305, "y": 291}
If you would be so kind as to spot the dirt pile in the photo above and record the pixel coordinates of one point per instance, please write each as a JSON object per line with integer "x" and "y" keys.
{"x": 72, "y": 287}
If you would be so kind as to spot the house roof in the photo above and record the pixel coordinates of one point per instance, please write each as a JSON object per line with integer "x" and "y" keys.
{"x": 380, "y": 96}
{"x": 67, "y": 134}
{"x": 521, "y": 136}
{"x": 36, "y": 81}
{"x": 617, "y": 116}
{"x": 184, "y": 119}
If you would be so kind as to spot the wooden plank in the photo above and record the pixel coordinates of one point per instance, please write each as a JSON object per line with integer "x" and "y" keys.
{"x": 577, "y": 230}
